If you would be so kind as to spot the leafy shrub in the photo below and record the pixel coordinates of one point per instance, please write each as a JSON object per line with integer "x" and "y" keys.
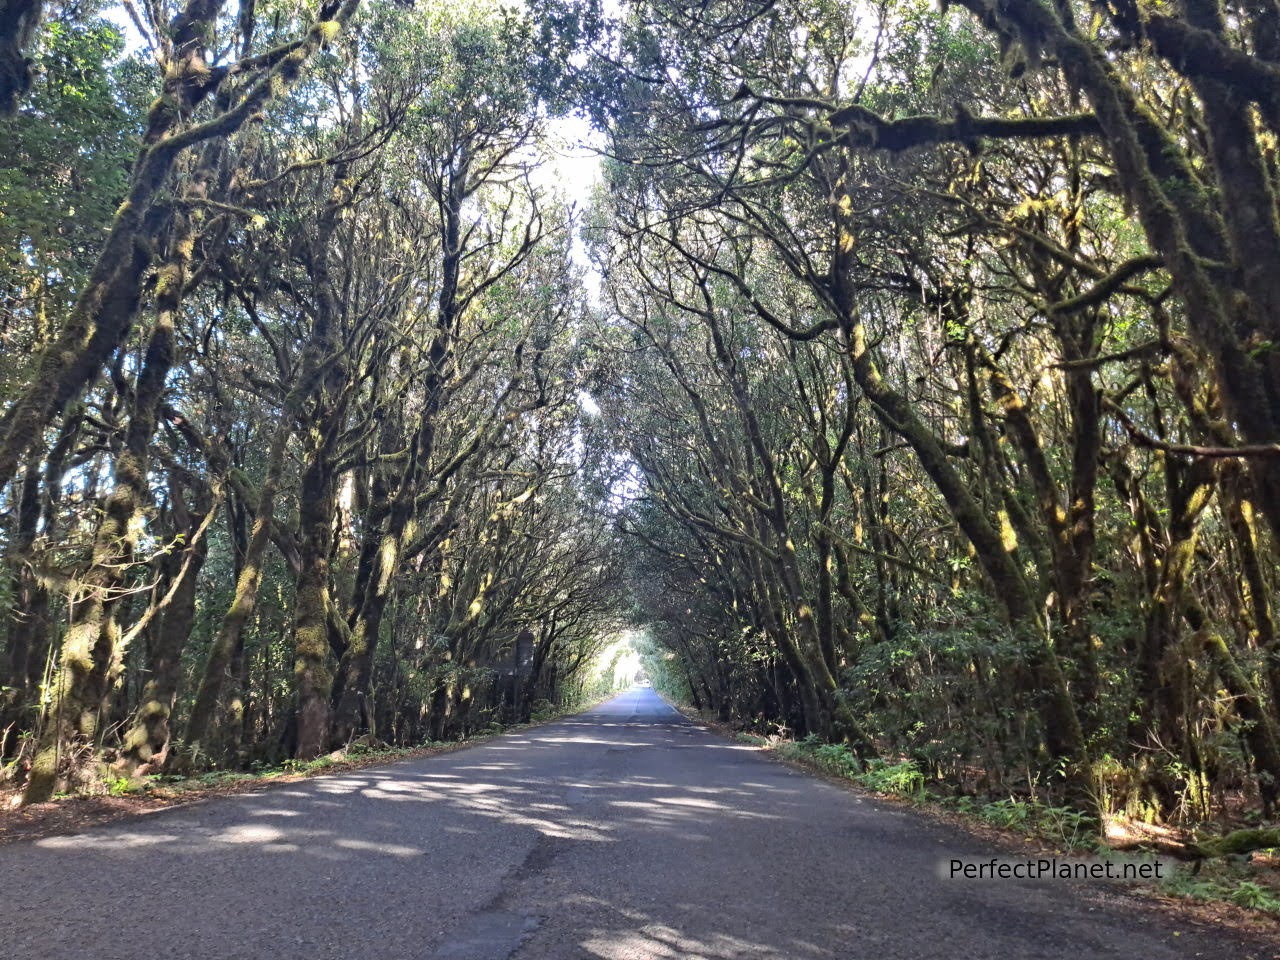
{"x": 1006, "y": 814}
{"x": 1229, "y": 886}
{"x": 121, "y": 786}
{"x": 837, "y": 759}
{"x": 903, "y": 779}
{"x": 1066, "y": 825}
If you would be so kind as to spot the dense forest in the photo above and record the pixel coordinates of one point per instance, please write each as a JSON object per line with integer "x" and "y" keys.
{"x": 293, "y": 444}
{"x": 910, "y": 380}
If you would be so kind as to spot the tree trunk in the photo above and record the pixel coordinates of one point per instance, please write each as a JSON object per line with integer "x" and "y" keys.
{"x": 146, "y": 743}
{"x": 230, "y": 634}
{"x": 89, "y": 650}
{"x": 103, "y": 314}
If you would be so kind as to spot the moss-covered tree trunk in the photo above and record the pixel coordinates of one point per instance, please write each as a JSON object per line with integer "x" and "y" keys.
{"x": 997, "y": 552}
{"x": 27, "y": 635}
{"x": 19, "y": 21}
{"x": 230, "y": 634}
{"x": 89, "y": 650}
{"x": 318, "y": 493}
{"x": 1260, "y": 730}
{"x": 1255, "y": 588}
{"x": 102, "y": 316}
{"x": 146, "y": 743}
{"x": 323, "y": 401}
{"x": 1231, "y": 312}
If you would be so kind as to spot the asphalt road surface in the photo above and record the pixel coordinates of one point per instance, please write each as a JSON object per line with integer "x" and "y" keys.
{"x": 625, "y": 832}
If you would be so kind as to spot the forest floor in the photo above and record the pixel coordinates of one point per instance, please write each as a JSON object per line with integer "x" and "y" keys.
{"x": 1205, "y": 895}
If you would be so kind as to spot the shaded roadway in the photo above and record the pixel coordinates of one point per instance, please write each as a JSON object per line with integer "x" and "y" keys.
{"x": 624, "y": 832}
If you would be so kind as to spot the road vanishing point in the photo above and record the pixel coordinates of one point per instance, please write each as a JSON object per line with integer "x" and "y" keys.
{"x": 626, "y": 832}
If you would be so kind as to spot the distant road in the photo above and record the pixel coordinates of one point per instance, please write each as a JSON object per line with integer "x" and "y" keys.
{"x": 625, "y": 832}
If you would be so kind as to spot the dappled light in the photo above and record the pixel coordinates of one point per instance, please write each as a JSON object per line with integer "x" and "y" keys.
{"x": 626, "y": 832}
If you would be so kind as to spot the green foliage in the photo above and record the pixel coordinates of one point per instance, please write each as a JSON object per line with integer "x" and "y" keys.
{"x": 67, "y": 155}
{"x": 544, "y": 710}
{"x": 1062, "y": 826}
{"x": 1256, "y": 897}
{"x": 903, "y": 778}
{"x": 938, "y": 497}
{"x": 834, "y": 758}
{"x": 122, "y": 786}
{"x": 1007, "y": 814}
{"x": 984, "y": 442}
{"x": 294, "y": 765}
{"x": 1227, "y": 881}
{"x": 63, "y": 171}
{"x": 663, "y": 668}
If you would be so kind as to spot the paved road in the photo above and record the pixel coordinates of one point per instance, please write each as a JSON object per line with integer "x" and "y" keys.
{"x": 622, "y": 833}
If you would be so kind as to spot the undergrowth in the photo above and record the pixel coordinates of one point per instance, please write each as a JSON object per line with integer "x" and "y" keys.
{"x": 1228, "y": 880}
